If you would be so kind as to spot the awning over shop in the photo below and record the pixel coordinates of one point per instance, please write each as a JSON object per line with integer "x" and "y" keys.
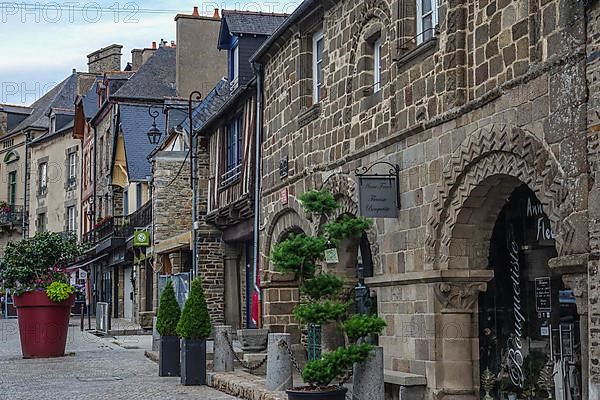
{"x": 86, "y": 263}
{"x": 183, "y": 240}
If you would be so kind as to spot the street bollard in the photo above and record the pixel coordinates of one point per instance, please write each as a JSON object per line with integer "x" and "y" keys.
{"x": 279, "y": 364}
{"x": 223, "y": 355}
{"x": 367, "y": 378}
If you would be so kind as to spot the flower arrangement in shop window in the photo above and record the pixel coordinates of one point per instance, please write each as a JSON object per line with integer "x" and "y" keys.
{"x": 5, "y": 207}
{"x": 39, "y": 264}
{"x": 322, "y": 299}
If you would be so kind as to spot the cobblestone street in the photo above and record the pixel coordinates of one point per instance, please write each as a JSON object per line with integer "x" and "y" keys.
{"x": 95, "y": 368}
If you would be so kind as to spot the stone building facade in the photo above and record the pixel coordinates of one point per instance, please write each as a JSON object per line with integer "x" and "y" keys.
{"x": 489, "y": 109}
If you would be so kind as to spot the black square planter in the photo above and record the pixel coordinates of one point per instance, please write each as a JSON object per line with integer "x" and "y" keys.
{"x": 168, "y": 351}
{"x": 193, "y": 362}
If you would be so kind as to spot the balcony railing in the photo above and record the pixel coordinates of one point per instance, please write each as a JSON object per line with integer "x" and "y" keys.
{"x": 11, "y": 215}
{"x": 120, "y": 226}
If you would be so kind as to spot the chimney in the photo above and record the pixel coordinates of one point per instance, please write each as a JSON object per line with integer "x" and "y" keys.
{"x": 216, "y": 14}
{"x": 153, "y": 45}
{"x": 105, "y": 59}
{"x": 195, "y": 13}
{"x": 199, "y": 64}
{"x": 137, "y": 59}
{"x": 173, "y": 43}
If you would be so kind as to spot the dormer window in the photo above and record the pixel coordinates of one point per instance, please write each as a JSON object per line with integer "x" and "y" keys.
{"x": 427, "y": 19}
{"x": 53, "y": 124}
{"x": 317, "y": 54}
{"x": 235, "y": 66}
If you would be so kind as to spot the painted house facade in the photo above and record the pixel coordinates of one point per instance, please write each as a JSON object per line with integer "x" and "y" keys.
{"x": 482, "y": 106}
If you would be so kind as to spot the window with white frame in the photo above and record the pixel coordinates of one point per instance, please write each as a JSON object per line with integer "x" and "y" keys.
{"x": 71, "y": 221}
{"x": 43, "y": 178}
{"x": 427, "y": 19}
{"x": 235, "y": 66}
{"x": 377, "y": 65}
{"x": 317, "y": 53}
{"x": 234, "y": 150}
{"x": 72, "y": 167}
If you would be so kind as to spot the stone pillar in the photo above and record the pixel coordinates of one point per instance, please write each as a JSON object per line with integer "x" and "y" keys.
{"x": 367, "y": 378}
{"x": 279, "y": 364}
{"x": 223, "y": 355}
{"x": 232, "y": 286}
{"x": 457, "y": 363}
{"x": 176, "y": 262}
{"x": 578, "y": 283}
{"x": 155, "y": 336}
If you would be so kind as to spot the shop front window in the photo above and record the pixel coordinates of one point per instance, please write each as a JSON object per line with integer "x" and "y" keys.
{"x": 528, "y": 324}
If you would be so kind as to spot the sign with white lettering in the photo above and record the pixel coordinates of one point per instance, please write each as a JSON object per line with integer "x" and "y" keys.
{"x": 515, "y": 357}
{"x": 543, "y": 299}
{"x": 378, "y": 196}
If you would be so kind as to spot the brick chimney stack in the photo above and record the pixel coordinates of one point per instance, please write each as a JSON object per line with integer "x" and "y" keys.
{"x": 216, "y": 14}
{"x": 195, "y": 13}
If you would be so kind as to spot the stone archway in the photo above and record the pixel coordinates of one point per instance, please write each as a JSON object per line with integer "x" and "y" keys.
{"x": 495, "y": 150}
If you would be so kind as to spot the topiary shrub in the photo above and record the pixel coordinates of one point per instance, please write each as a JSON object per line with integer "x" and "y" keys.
{"x": 194, "y": 323}
{"x": 301, "y": 254}
{"x": 318, "y": 201}
{"x": 168, "y": 312}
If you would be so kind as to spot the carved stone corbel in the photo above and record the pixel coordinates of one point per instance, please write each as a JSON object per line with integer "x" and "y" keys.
{"x": 458, "y": 297}
{"x": 579, "y": 284}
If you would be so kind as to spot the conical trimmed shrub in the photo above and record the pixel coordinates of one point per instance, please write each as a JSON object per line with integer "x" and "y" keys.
{"x": 168, "y": 312}
{"x": 195, "y": 323}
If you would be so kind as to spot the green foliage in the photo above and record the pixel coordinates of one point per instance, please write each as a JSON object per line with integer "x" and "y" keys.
{"x": 333, "y": 365}
{"x": 36, "y": 262}
{"x": 319, "y": 312}
{"x": 195, "y": 320}
{"x": 59, "y": 291}
{"x": 322, "y": 286}
{"x": 347, "y": 227}
{"x": 299, "y": 254}
{"x": 318, "y": 201}
{"x": 168, "y": 312}
{"x": 362, "y": 326}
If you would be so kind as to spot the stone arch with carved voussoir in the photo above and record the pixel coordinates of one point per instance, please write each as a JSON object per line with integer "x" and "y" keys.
{"x": 477, "y": 180}
{"x": 344, "y": 189}
{"x": 281, "y": 221}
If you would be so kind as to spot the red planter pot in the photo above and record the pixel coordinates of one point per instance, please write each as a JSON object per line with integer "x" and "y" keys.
{"x": 43, "y": 324}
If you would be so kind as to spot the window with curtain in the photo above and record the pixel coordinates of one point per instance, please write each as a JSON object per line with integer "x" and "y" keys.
{"x": 71, "y": 222}
{"x": 42, "y": 178}
{"x": 12, "y": 188}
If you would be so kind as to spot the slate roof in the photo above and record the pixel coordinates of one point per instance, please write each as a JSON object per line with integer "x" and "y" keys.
{"x": 135, "y": 123}
{"x": 61, "y": 96}
{"x": 90, "y": 101}
{"x": 67, "y": 128}
{"x": 154, "y": 80}
{"x": 211, "y": 104}
{"x": 252, "y": 23}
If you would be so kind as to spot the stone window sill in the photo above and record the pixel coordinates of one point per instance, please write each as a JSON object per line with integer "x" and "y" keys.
{"x": 371, "y": 100}
{"x": 309, "y": 115}
{"x": 424, "y": 48}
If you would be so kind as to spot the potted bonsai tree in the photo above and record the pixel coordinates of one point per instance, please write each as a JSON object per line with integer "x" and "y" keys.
{"x": 322, "y": 300}
{"x": 166, "y": 324}
{"x": 34, "y": 272}
{"x": 194, "y": 328}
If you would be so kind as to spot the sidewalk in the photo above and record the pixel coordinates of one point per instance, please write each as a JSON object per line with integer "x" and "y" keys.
{"x": 96, "y": 369}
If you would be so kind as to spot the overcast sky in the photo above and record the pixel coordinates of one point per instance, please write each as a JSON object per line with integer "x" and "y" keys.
{"x": 44, "y": 41}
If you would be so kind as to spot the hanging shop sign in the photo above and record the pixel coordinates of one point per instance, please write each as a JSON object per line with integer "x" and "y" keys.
{"x": 141, "y": 238}
{"x": 378, "y": 194}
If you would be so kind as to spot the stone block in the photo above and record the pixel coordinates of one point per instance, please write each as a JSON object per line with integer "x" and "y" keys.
{"x": 279, "y": 364}
{"x": 368, "y": 379}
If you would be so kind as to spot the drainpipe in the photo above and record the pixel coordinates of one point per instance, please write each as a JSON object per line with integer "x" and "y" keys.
{"x": 25, "y": 223}
{"x": 257, "y": 180}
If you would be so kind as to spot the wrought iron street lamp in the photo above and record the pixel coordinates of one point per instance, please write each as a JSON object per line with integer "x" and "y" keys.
{"x": 154, "y": 133}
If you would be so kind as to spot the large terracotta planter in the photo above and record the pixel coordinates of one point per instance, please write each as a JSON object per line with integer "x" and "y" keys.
{"x": 43, "y": 324}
